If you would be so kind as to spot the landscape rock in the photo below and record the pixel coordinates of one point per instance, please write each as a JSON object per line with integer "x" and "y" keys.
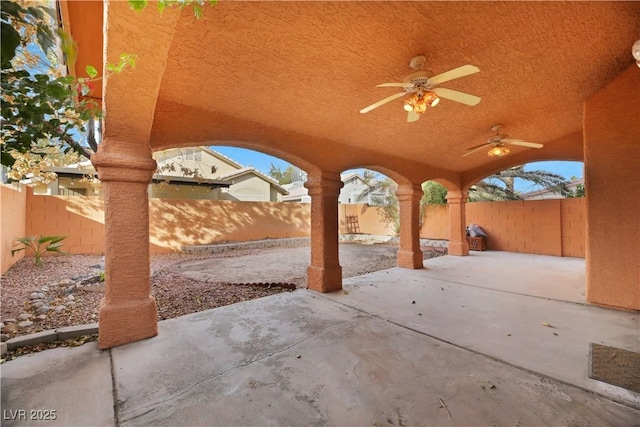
{"x": 4, "y": 337}
{"x": 36, "y": 295}
{"x": 70, "y": 289}
{"x": 66, "y": 282}
{"x": 25, "y": 324}
{"x": 43, "y": 309}
{"x": 10, "y": 320}
{"x": 60, "y": 308}
{"x": 37, "y": 305}
{"x": 71, "y": 304}
{"x": 70, "y": 298}
{"x": 45, "y": 289}
{"x": 41, "y": 317}
{"x": 25, "y": 316}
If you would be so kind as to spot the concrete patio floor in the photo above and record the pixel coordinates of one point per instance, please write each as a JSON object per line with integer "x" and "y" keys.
{"x": 471, "y": 350}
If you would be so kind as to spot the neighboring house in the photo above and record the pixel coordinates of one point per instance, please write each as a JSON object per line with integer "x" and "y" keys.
{"x": 546, "y": 193}
{"x": 218, "y": 178}
{"x": 355, "y": 190}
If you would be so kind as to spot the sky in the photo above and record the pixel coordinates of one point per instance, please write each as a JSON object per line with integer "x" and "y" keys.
{"x": 263, "y": 162}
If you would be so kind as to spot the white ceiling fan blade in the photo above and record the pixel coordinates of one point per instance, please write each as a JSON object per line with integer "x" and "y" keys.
{"x": 456, "y": 73}
{"x": 412, "y": 116}
{"x": 395, "y": 85}
{"x": 474, "y": 149}
{"x": 382, "y": 102}
{"x": 454, "y": 95}
{"x": 522, "y": 143}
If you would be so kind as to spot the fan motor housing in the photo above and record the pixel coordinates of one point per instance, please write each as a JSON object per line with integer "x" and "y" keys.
{"x": 419, "y": 79}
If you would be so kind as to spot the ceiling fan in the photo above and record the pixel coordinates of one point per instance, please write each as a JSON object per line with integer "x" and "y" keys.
{"x": 497, "y": 143}
{"x": 424, "y": 89}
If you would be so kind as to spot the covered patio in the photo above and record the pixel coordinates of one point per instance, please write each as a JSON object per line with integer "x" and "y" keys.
{"x": 289, "y": 79}
{"x": 393, "y": 348}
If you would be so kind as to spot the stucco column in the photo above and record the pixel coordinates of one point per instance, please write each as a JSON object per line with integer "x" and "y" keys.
{"x": 324, "y": 274}
{"x": 457, "y": 223}
{"x": 127, "y": 311}
{"x": 409, "y": 254}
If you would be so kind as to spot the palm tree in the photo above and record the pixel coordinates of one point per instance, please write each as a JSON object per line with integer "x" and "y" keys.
{"x": 501, "y": 186}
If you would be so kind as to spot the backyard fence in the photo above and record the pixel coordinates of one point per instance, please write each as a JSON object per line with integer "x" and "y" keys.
{"x": 549, "y": 227}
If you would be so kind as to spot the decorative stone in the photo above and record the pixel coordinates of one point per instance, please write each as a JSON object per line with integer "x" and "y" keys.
{"x": 71, "y": 304}
{"x": 43, "y": 309}
{"x": 66, "y": 282}
{"x": 36, "y": 295}
{"x": 70, "y": 289}
{"x": 4, "y": 337}
{"x": 41, "y": 317}
{"x": 25, "y": 316}
{"x": 45, "y": 289}
{"x": 10, "y": 320}
{"x": 37, "y": 305}
{"x": 60, "y": 308}
{"x": 70, "y": 298}
{"x": 25, "y": 324}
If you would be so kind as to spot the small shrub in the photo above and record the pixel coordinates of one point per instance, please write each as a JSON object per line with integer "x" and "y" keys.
{"x": 39, "y": 245}
{"x": 101, "y": 276}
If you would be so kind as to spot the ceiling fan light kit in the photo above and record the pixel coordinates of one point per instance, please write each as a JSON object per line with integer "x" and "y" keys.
{"x": 497, "y": 144}
{"x": 418, "y": 102}
{"x": 425, "y": 91}
{"x": 498, "y": 151}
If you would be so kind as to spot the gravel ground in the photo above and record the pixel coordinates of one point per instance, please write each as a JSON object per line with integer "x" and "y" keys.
{"x": 176, "y": 293}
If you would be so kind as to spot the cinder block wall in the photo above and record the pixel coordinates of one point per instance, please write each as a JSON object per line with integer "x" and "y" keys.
{"x": 546, "y": 227}
{"x": 177, "y": 223}
{"x": 573, "y": 227}
{"x": 549, "y": 227}
{"x": 370, "y": 219}
{"x": 13, "y": 202}
{"x": 435, "y": 223}
{"x": 80, "y": 219}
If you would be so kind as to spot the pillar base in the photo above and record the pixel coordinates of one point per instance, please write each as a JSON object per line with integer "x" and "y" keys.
{"x": 458, "y": 248}
{"x": 410, "y": 259}
{"x": 324, "y": 279}
{"x": 128, "y": 322}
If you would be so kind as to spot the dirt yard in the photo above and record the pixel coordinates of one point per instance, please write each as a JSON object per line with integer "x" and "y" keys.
{"x": 285, "y": 265}
{"x": 65, "y": 291}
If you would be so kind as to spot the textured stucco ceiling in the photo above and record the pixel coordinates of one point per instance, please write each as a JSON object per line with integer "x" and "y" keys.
{"x": 290, "y": 77}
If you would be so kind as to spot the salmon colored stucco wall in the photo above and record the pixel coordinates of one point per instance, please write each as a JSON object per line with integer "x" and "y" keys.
{"x": 370, "y": 219}
{"x": 176, "y": 223}
{"x": 612, "y": 164}
{"x": 12, "y": 208}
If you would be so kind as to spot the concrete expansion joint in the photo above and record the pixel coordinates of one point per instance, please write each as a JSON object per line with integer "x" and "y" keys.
{"x": 139, "y": 412}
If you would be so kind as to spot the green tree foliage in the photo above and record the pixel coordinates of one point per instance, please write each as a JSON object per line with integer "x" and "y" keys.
{"x": 434, "y": 194}
{"x": 577, "y": 192}
{"x": 47, "y": 118}
{"x": 501, "y": 186}
{"x": 41, "y": 107}
{"x": 282, "y": 176}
